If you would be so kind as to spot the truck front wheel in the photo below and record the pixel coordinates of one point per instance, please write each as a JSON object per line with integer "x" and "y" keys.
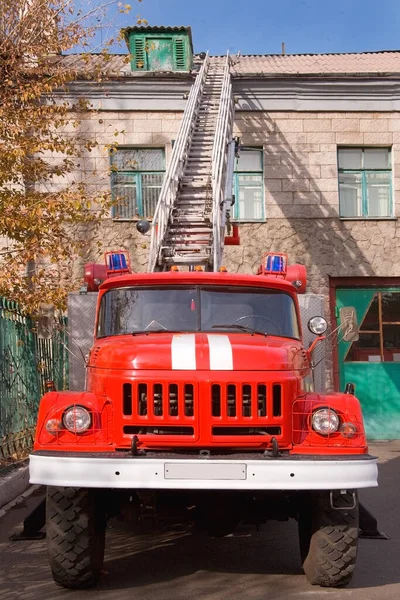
{"x": 75, "y": 531}
{"x": 328, "y": 535}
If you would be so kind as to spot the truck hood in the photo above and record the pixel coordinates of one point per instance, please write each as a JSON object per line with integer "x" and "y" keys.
{"x": 199, "y": 352}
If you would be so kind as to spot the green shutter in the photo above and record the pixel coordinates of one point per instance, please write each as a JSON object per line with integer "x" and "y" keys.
{"x": 179, "y": 54}
{"x": 159, "y": 48}
{"x": 139, "y": 57}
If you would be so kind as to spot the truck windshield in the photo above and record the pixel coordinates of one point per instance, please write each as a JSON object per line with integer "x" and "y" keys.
{"x": 212, "y": 309}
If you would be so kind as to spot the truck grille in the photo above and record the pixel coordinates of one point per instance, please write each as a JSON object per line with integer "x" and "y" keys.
{"x": 205, "y": 413}
{"x": 158, "y": 400}
{"x": 246, "y": 400}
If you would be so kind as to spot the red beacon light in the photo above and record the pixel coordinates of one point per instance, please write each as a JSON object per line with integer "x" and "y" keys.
{"x": 117, "y": 263}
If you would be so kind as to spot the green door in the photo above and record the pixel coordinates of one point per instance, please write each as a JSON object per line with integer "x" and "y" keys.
{"x": 160, "y": 55}
{"x": 373, "y": 362}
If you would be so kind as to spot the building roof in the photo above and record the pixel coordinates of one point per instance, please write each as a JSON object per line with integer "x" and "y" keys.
{"x": 319, "y": 64}
{"x": 379, "y": 63}
{"x": 159, "y": 28}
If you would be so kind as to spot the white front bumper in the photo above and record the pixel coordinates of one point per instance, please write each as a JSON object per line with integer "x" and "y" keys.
{"x": 199, "y": 473}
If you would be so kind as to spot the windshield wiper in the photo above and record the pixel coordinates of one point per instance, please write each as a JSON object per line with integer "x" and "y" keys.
{"x": 242, "y": 327}
{"x": 147, "y": 331}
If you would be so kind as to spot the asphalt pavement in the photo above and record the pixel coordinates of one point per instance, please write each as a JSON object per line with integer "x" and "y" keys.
{"x": 176, "y": 564}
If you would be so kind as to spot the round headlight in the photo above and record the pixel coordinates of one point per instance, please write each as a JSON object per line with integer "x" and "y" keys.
{"x": 325, "y": 421}
{"x": 77, "y": 419}
{"x": 317, "y": 325}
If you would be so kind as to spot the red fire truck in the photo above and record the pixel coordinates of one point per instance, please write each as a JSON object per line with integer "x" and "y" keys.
{"x": 200, "y": 394}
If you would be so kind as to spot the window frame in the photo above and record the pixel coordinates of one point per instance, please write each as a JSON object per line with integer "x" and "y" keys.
{"x": 136, "y": 182}
{"x": 363, "y": 172}
{"x": 236, "y": 174}
{"x": 379, "y": 331}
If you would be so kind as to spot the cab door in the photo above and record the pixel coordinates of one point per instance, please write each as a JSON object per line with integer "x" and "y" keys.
{"x": 373, "y": 362}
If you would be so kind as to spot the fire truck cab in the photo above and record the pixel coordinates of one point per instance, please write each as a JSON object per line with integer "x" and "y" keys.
{"x": 199, "y": 397}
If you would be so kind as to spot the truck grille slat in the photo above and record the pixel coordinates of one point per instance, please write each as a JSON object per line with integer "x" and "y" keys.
{"x": 158, "y": 399}
{"x": 181, "y": 400}
{"x": 231, "y": 401}
{"x": 157, "y": 430}
{"x": 247, "y": 401}
{"x": 216, "y": 400}
{"x": 127, "y": 399}
{"x": 173, "y": 400}
{"x": 224, "y": 402}
{"x": 189, "y": 400}
{"x": 246, "y": 430}
{"x": 142, "y": 399}
{"x": 277, "y": 400}
{"x": 261, "y": 400}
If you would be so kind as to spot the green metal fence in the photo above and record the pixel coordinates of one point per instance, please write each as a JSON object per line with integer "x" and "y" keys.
{"x": 26, "y": 363}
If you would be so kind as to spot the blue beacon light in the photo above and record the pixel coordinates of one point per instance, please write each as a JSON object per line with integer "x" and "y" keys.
{"x": 275, "y": 264}
{"x": 117, "y": 262}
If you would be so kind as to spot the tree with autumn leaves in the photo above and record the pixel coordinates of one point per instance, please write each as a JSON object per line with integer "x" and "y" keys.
{"x": 40, "y": 207}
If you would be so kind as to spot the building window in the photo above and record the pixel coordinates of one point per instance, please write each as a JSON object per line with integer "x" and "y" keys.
{"x": 137, "y": 175}
{"x": 379, "y": 333}
{"x": 365, "y": 182}
{"x": 248, "y": 186}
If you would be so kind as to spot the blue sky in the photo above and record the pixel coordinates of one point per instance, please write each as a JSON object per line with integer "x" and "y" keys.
{"x": 260, "y": 26}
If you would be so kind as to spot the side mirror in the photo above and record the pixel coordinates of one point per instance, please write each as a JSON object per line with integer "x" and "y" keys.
{"x": 317, "y": 325}
{"x": 348, "y": 324}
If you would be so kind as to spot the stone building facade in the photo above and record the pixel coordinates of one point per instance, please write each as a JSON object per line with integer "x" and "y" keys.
{"x": 301, "y": 191}
{"x": 300, "y": 159}
{"x": 301, "y": 112}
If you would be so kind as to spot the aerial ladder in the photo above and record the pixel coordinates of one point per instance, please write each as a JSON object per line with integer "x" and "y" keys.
{"x": 193, "y": 208}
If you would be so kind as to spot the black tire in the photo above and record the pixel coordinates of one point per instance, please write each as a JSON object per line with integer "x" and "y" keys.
{"x": 328, "y": 538}
{"x": 75, "y": 531}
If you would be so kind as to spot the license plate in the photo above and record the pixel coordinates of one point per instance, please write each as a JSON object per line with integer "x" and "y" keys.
{"x": 205, "y": 470}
